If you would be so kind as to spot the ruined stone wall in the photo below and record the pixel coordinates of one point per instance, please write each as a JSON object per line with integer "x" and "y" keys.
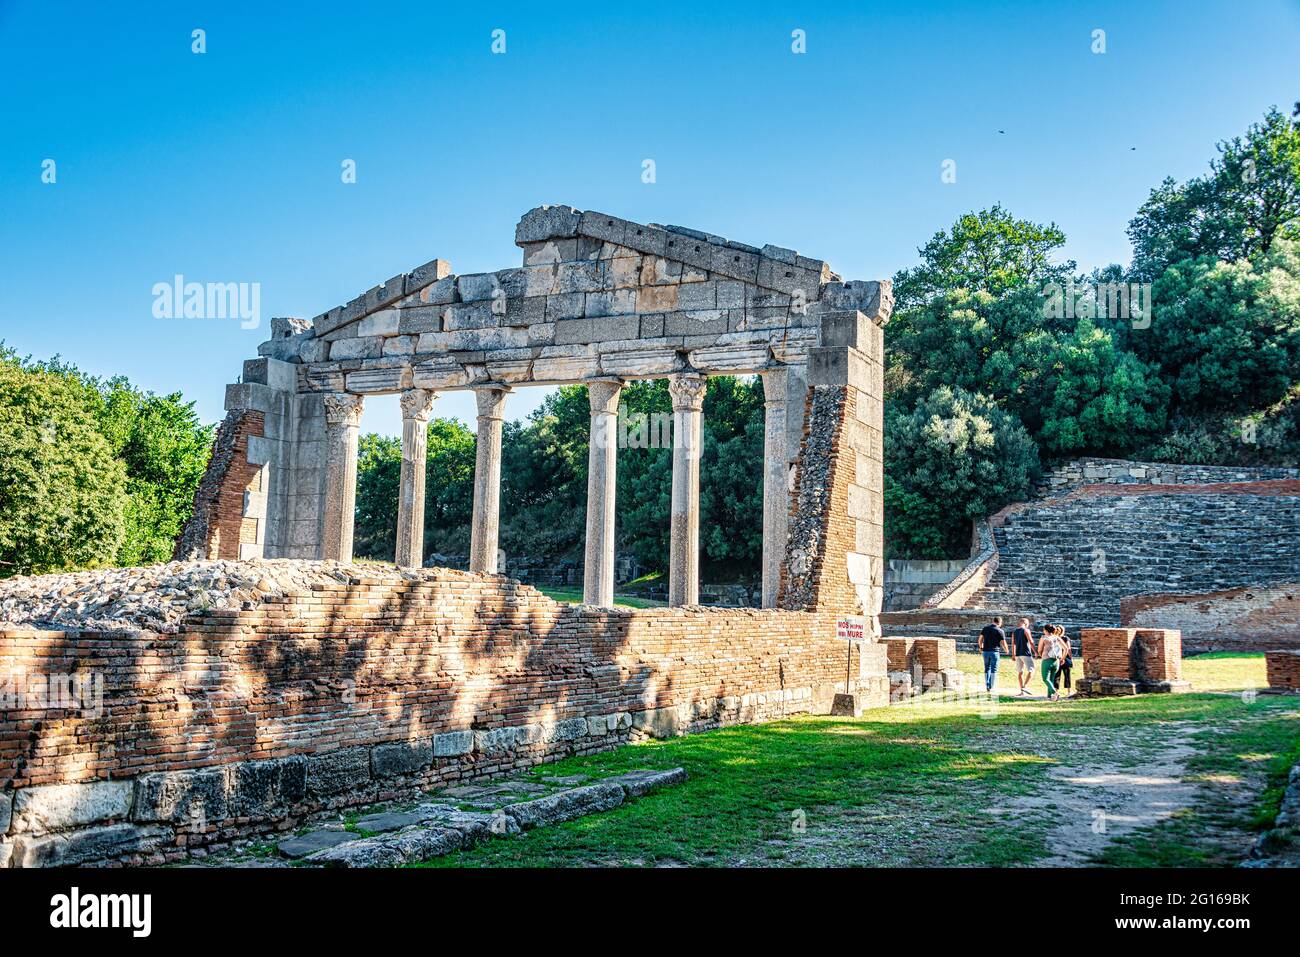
{"x": 230, "y": 501}
{"x": 1254, "y": 618}
{"x": 909, "y": 582}
{"x": 1094, "y": 471}
{"x": 835, "y": 553}
{"x": 258, "y": 718}
{"x": 1074, "y": 558}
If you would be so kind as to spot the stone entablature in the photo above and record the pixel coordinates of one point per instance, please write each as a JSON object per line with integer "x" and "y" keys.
{"x": 597, "y": 296}
{"x": 598, "y": 300}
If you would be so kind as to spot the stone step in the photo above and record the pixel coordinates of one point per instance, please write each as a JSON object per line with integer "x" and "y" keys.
{"x": 432, "y": 830}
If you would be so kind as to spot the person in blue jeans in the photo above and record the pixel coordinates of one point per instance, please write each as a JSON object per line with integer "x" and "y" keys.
{"x": 993, "y": 643}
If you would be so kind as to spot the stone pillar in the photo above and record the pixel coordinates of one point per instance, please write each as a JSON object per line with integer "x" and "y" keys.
{"x": 776, "y": 491}
{"x": 687, "y": 391}
{"x": 602, "y": 471}
{"x": 342, "y": 421}
{"x": 485, "y": 523}
{"x": 417, "y": 406}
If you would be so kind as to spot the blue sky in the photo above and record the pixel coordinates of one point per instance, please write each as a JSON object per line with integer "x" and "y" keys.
{"x": 225, "y": 166}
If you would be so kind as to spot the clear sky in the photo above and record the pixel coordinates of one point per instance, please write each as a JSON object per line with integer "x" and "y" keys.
{"x": 225, "y": 166}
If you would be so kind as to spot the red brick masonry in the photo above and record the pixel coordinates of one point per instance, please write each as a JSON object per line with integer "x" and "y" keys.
{"x": 399, "y": 684}
{"x": 1136, "y": 654}
{"x": 1283, "y": 669}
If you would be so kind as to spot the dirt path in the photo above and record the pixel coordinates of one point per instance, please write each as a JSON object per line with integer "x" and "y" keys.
{"x": 1100, "y": 802}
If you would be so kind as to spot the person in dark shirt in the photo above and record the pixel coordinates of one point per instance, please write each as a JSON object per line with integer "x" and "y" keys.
{"x": 1066, "y": 662}
{"x": 1022, "y": 645}
{"x": 992, "y": 642}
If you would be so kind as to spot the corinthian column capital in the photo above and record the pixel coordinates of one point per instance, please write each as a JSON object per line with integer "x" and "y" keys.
{"x": 491, "y": 401}
{"x": 603, "y": 395}
{"x": 418, "y": 404}
{"x": 687, "y": 391}
{"x": 344, "y": 409}
{"x": 774, "y": 386}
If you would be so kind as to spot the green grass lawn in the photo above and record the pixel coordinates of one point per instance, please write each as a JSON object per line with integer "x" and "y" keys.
{"x": 951, "y": 780}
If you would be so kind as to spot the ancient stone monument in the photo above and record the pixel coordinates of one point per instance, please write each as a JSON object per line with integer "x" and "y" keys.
{"x": 268, "y": 688}
{"x": 598, "y": 301}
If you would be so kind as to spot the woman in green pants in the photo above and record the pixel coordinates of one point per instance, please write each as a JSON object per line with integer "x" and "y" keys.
{"x": 1049, "y": 650}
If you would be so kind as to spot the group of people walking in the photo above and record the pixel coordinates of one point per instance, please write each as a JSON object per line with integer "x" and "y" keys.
{"x": 1051, "y": 652}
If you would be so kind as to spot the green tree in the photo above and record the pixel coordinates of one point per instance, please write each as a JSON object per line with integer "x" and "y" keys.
{"x": 1249, "y": 199}
{"x": 988, "y": 251}
{"x": 952, "y": 459}
{"x": 165, "y": 451}
{"x": 62, "y": 493}
{"x": 1226, "y": 335}
{"x": 1089, "y": 395}
{"x": 449, "y": 491}
{"x": 379, "y": 469}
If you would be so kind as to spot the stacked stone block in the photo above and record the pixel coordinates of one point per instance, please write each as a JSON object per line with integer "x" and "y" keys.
{"x": 258, "y": 718}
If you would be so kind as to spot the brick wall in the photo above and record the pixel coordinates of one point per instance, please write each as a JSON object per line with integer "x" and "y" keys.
{"x": 1145, "y": 657}
{"x": 1283, "y": 668}
{"x": 1255, "y": 618}
{"x": 230, "y": 502}
{"x": 363, "y": 691}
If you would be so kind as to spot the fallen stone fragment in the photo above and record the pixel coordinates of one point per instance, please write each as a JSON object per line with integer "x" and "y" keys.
{"x": 566, "y": 805}
{"x": 313, "y": 841}
{"x": 567, "y": 780}
{"x": 638, "y": 783}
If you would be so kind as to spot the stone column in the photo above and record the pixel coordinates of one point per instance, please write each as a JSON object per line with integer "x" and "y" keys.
{"x": 342, "y": 421}
{"x": 486, "y": 520}
{"x": 776, "y": 492}
{"x": 687, "y": 391}
{"x": 602, "y": 471}
{"x": 417, "y": 406}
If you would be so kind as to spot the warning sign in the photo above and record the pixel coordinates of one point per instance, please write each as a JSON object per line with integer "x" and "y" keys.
{"x": 853, "y": 628}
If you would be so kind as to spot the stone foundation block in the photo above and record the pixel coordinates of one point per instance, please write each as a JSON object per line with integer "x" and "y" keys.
{"x": 184, "y": 796}
{"x": 337, "y": 771}
{"x": 268, "y": 787}
{"x": 566, "y": 805}
{"x": 495, "y": 742}
{"x": 659, "y": 722}
{"x": 91, "y": 844}
{"x": 453, "y": 743}
{"x": 401, "y": 757}
{"x": 57, "y": 807}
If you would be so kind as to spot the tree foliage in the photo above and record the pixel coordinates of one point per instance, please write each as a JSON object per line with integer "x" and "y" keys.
{"x": 1249, "y": 199}
{"x": 62, "y": 493}
{"x": 953, "y": 457}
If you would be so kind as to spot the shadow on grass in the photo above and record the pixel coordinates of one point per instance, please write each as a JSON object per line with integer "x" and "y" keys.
{"x": 904, "y": 783}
